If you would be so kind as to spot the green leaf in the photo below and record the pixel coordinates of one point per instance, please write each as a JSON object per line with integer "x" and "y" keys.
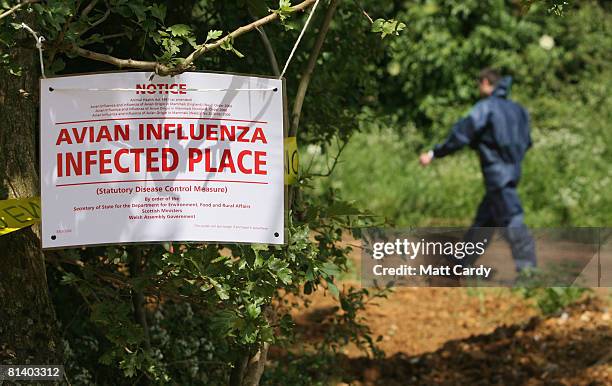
{"x": 333, "y": 289}
{"x": 330, "y": 269}
{"x": 253, "y": 310}
{"x": 139, "y": 10}
{"x": 205, "y": 287}
{"x": 228, "y": 45}
{"x": 276, "y": 264}
{"x": 259, "y": 259}
{"x": 69, "y": 278}
{"x": 221, "y": 290}
{"x": 180, "y": 30}
{"x": 238, "y": 53}
{"x": 387, "y": 27}
{"x": 158, "y": 11}
{"x": 218, "y": 259}
{"x": 223, "y": 322}
{"x": 378, "y": 25}
{"x": 259, "y": 247}
{"x": 284, "y": 10}
{"x": 343, "y": 208}
{"x": 284, "y": 5}
{"x": 213, "y": 35}
{"x": 284, "y": 274}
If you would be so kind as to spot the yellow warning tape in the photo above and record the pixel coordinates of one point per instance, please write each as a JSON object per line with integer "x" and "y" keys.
{"x": 18, "y": 213}
{"x": 291, "y": 161}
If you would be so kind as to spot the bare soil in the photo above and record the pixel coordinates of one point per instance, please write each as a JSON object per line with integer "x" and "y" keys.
{"x": 459, "y": 336}
{"x": 451, "y": 336}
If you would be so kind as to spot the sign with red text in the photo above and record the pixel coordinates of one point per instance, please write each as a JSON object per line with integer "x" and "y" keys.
{"x": 131, "y": 157}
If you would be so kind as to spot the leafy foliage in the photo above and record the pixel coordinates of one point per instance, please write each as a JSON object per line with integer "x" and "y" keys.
{"x": 191, "y": 313}
{"x": 561, "y": 69}
{"x": 227, "y": 290}
{"x": 387, "y": 27}
{"x": 203, "y": 308}
{"x": 550, "y": 300}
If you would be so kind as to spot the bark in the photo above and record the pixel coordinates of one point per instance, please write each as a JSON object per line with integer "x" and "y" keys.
{"x": 237, "y": 374}
{"x": 256, "y": 366}
{"x": 310, "y": 66}
{"x": 28, "y": 327}
{"x": 138, "y": 299}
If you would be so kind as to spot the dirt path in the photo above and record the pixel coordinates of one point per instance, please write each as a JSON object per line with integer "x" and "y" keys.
{"x": 451, "y": 336}
{"x": 418, "y": 320}
{"x": 459, "y": 336}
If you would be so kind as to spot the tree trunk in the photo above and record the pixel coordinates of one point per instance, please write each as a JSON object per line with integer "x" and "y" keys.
{"x": 28, "y": 327}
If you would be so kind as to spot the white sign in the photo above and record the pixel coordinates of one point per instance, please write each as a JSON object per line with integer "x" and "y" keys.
{"x": 127, "y": 157}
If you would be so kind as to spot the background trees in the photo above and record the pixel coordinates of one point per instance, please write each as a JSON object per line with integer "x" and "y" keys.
{"x": 177, "y": 313}
{"x": 561, "y": 70}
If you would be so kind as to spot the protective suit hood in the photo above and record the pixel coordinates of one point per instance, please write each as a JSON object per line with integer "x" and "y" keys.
{"x": 502, "y": 89}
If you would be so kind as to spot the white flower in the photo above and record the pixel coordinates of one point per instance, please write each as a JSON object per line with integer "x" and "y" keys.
{"x": 313, "y": 149}
{"x": 547, "y": 42}
{"x": 394, "y": 68}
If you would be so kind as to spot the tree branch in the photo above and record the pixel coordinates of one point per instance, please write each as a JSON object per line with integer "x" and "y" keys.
{"x": 255, "y": 366}
{"x": 269, "y": 50}
{"x": 237, "y": 373}
{"x": 106, "y": 37}
{"x": 364, "y": 12}
{"x": 88, "y": 8}
{"x": 305, "y": 81}
{"x": 16, "y": 8}
{"x": 307, "y": 74}
{"x": 138, "y": 299}
{"x": 96, "y": 23}
{"x": 121, "y": 63}
{"x": 330, "y": 169}
{"x": 187, "y": 63}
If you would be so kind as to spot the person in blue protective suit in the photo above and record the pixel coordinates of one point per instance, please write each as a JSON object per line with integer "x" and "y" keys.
{"x": 498, "y": 129}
